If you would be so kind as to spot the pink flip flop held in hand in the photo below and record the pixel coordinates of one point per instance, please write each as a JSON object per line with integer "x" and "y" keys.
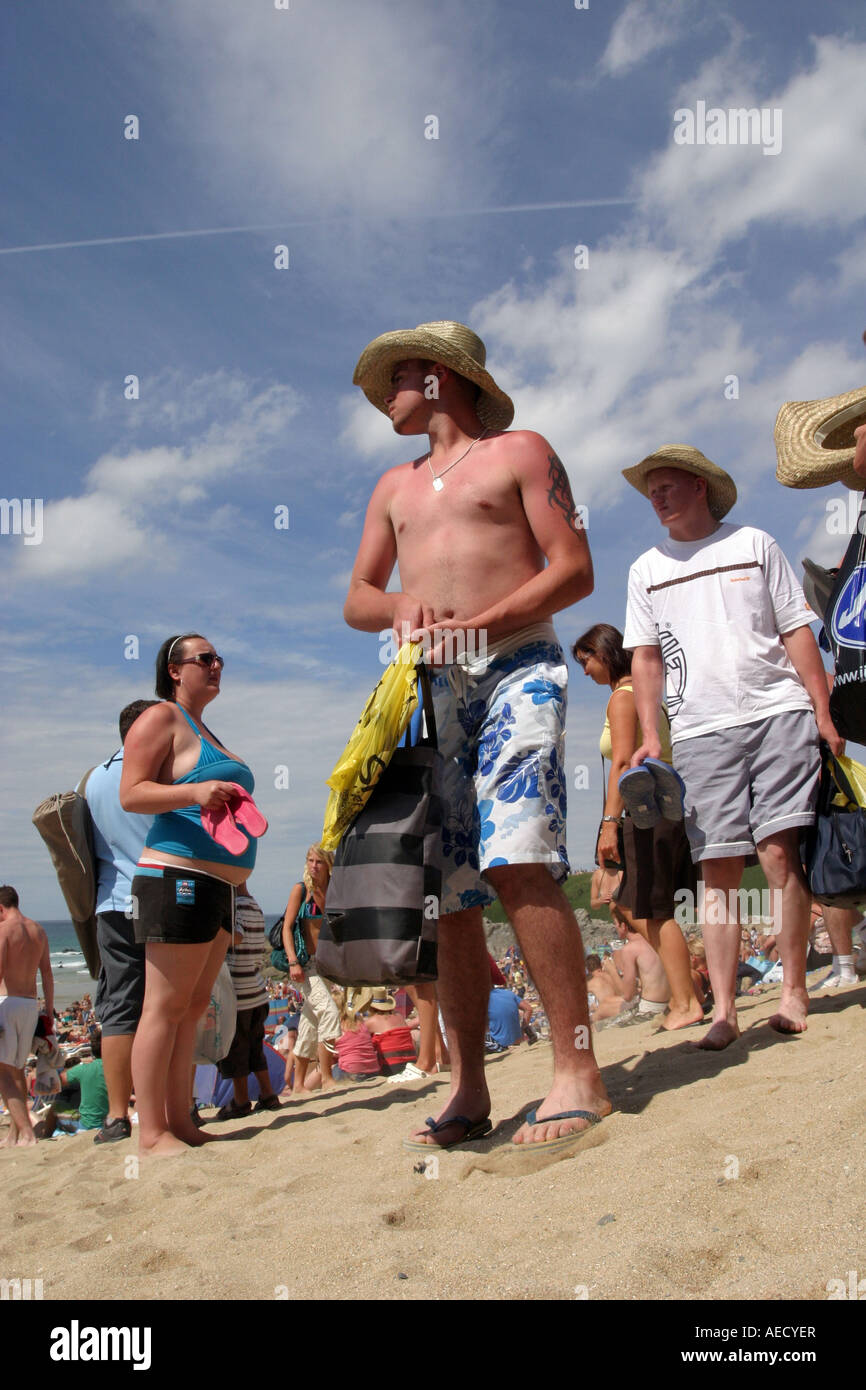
{"x": 220, "y": 825}
{"x": 247, "y": 813}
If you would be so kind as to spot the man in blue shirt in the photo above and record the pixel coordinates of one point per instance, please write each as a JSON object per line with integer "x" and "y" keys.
{"x": 118, "y": 839}
{"x": 503, "y": 1017}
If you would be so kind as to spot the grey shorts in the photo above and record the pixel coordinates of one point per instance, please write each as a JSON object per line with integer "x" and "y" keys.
{"x": 18, "y": 1019}
{"x": 747, "y": 783}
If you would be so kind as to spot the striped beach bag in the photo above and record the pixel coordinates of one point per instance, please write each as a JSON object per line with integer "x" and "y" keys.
{"x": 382, "y": 909}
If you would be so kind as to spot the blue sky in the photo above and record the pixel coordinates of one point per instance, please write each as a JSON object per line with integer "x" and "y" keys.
{"x": 308, "y": 124}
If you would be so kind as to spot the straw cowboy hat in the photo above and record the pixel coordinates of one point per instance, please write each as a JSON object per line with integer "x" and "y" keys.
{"x": 357, "y": 999}
{"x": 452, "y": 344}
{"x": 721, "y": 489}
{"x": 382, "y": 1001}
{"x": 815, "y": 440}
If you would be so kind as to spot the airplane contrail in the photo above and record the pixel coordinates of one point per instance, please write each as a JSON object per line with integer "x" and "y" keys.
{"x": 311, "y": 222}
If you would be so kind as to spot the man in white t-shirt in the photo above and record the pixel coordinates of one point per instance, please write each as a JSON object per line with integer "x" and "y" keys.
{"x": 717, "y": 614}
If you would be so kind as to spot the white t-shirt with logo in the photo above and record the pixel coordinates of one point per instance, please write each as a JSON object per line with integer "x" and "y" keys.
{"x": 718, "y": 607}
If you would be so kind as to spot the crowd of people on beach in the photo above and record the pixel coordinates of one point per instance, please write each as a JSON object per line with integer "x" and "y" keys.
{"x": 719, "y": 710}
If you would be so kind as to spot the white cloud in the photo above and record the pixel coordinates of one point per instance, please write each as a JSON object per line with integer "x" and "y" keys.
{"x": 170, "y": 400}
{"x": 288, "y": 118}
{"x": 635, "y": 350}
{"x": 135, "y": 502}
{"x": 645, "y": 27}
{"x": 365, "y": 429}
{"x": 705, "y": 196}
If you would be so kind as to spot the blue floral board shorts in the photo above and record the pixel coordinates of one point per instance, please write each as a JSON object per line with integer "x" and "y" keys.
{"x": 502, "y": 737}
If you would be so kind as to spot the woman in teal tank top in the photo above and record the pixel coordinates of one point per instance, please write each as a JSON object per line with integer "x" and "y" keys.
{"x": 183, "y": 891}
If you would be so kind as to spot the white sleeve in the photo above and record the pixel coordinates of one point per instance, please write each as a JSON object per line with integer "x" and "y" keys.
{"x": 786, "y": 593}
{"x": 640, "y": 629}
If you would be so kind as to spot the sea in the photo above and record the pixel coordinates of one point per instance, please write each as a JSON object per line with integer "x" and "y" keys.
{"x": 72, "y": 978}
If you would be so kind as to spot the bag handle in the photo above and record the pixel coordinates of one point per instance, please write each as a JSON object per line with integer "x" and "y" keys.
{"x": 430, "y": 739}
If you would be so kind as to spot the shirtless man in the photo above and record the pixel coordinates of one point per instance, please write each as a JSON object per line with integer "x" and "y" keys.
{"x": 471, "y": 524}
{"x": 605, "y": 997}
{"x": 638, "y": 963}
{"x": 23, "y": 950}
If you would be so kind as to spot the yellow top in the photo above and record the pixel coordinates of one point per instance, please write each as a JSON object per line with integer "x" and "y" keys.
{"x": 606, "y": 745}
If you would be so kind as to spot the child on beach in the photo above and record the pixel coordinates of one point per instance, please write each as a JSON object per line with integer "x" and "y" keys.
{"x": 246, "y": 1055}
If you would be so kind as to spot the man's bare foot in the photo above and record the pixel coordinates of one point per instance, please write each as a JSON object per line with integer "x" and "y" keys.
{"x": 571, "y": 1093}
{"x": 792, "y": 1011}
{"x": 723, "y": 1032}
{"x": 473, "y": 1104}
{"x": 681, "y": 1018}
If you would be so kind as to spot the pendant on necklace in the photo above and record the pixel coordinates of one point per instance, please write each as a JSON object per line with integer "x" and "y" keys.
{"x": 438, "y": 484}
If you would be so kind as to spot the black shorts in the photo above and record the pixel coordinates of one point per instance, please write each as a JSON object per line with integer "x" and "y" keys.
{"x": 657, "y": 862}
{"x": 180, "y": 907}
{"x": 246, "y": 1053}
{"x": 120, "y": 991}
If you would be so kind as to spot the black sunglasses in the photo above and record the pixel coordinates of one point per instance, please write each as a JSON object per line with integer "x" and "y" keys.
{"x": 201, "y": 659}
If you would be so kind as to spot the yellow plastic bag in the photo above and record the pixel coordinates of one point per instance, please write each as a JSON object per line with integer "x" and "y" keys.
{"x": 856, "y": 774}
{"x": 377, "y": 733}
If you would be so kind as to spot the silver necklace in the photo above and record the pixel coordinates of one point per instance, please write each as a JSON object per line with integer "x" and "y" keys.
{"x": 437, "y": 477}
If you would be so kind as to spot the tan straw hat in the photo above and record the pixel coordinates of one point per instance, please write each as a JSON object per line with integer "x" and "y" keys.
{"x": 382, "y": 1001}
{"x": 815, "y": 441}
{"x": 721, "y": 489}
{"x": 452, "y": 344}
{"x": 357, "y": 999}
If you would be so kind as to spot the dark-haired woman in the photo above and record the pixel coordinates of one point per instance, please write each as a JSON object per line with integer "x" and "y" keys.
{"x": 657, "y": 862}
{"x": 184, "y": 889}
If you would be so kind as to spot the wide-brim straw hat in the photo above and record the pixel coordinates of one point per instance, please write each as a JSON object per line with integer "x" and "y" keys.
{"x": 815, "y": 441}
{"x": 721, "y": 488}
{"x": 382, "y": 1001}
{"x": 452, "y": 344}
{"x": 358, "y": 999}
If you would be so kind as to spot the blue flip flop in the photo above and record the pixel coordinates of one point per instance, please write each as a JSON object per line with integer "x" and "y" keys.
{"x": 637, "y": 787}
{"x": 670, "y": 789}
{"x": 567, "y": 1141}
{"x": 473, "y": 1130}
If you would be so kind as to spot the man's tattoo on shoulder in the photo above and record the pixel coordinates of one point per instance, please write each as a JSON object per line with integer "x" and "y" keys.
{"x": 560, "y": 497}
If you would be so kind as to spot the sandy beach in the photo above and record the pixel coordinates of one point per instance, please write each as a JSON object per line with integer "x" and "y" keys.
{"x": 718, "y": 1177}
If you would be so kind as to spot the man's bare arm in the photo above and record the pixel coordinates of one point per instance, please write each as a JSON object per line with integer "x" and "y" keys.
{"x": 806, "y": 660}
{"x": 368, "y": 606}
{"x": 557, "y": 527}
{"x": 648, "y": 680}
